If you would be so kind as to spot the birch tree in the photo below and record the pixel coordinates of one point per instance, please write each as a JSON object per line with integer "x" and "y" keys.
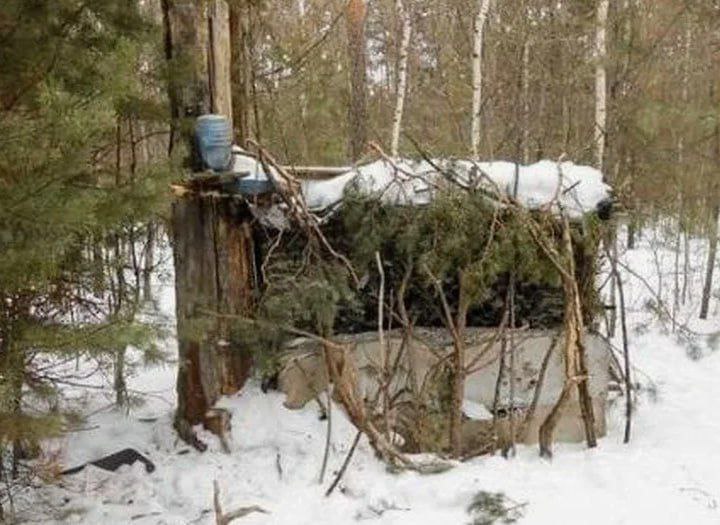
{"x": 600, "y": 82}
{"x": 404, "y": 15}
{"x": 483, "y": 7}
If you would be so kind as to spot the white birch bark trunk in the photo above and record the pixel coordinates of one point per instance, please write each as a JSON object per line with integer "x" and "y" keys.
{"x": 600, "y": 82}
{"x": 478, "y": 29}
{"x": 405, "y": 16}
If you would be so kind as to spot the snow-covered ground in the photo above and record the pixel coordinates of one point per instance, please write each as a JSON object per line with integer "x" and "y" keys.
{"x": 668, "y": 474}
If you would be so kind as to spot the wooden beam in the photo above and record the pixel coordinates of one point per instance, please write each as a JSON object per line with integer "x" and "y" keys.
{"x": 317, "y": 172}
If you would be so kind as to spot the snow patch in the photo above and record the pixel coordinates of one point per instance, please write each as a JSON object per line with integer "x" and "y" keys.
{"x": 475, "y": 410}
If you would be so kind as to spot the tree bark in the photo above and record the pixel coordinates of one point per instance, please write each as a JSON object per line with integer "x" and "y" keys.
{"x": 197, "y": 47}
{"x": 214, "y": 272}
{"x": 478, "y": 29}
{"x": 405, "y": 17}
{"x": 241, "y": 69}
{"x": 186, "y": 48}
{"x": 218, "y": 17}
{"x": 356, "y": 12}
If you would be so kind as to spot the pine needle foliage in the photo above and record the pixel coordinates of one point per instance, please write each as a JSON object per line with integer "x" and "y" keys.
{"x": 458, "y": 233}
{"x": 75, "y": 75}
{"x": 488, "y": 508}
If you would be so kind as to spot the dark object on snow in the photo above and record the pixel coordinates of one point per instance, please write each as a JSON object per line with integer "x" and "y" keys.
{"x": 605, "y": 209}
{"x": 269, "y": 382}
{"x": 114, "y": 461}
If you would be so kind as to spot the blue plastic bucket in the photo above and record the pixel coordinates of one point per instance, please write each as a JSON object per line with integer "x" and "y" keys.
{"x": 214, "y": 141}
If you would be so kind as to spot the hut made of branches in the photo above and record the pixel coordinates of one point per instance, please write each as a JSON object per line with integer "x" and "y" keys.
{"x": 460, "y": 236}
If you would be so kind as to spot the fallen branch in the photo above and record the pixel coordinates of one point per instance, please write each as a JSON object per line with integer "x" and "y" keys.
{"x": 289, "y": 189}
{"x": 344, "y": 466}
{"x": 222, "y": 518}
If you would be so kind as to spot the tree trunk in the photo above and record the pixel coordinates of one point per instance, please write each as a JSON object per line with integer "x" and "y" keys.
{"x": 525, "y": 81}
{"x": 212, "y": 241}
{"x": 710, "y": 268}
{"x": 600, "y": 83}
{"x": 478, "y": 28}
{"x": 405, "y": 16}
{"x": 241, "y": 69}
{"x": 149, "y": 260}
{"x": 681, "y": 151}
{"x": 676, "y": 272}
{"x": 214, "y": 273}
{"x": 713, "y": 234}
{"x": 356, "y": 12}
{"x": 186, "y": 48}
{"x": 459, "y": 371}
{"x": 218, "y": 17}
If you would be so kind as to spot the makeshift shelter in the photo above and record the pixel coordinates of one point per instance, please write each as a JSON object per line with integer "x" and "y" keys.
{"x": 514, "y": 376}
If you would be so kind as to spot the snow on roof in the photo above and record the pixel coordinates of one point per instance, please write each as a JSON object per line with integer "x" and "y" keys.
{"x": 577, "y": 189}
{"x": 246, "y": 163}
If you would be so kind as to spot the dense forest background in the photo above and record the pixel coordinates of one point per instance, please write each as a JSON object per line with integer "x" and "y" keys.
{"x": 629, "y": 86}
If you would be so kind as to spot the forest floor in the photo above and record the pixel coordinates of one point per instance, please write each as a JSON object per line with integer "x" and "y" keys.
{"x": 669, "y": 473}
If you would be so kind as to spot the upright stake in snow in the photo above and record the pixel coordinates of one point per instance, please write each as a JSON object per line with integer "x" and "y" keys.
{"x": 384, "y": 373}
{"x": 576, "y": 373}
{"x": 600, "y": 83}
{"x": 404, "y": 15}
{"x": 626, "y": 358}
{"x": 478, "y": 28}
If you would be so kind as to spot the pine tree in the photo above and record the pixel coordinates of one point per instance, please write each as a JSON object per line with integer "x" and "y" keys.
{"x": 74, "y": 87}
